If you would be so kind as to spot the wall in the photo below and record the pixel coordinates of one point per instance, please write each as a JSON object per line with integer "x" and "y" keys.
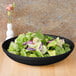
{"x": 56, "y": 17}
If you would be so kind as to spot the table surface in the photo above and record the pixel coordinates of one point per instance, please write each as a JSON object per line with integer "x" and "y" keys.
{"x": 67, "y": 67}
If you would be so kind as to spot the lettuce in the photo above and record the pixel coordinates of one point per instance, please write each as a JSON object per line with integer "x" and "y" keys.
{"x": 48, "y": 38}
{"x": 32, "y": 55}
{"x": 59, "y": 50}
{"x": 44, "y": 49}
{"x": 52, "y": 52}
{"x": 13, "y": 48}
{"x": 19, "y": 41}
{"x": 23, "y": 52}
{"x": 38, "y": 53}
{"x": 38, "y": 45}
{"x": 29, "y": 36}
{"x": 56, "y": 41}
{"x": 52, "y": 43}
{"x": 60, "y": 42}
{"x": 46, "y": 55}
{"x": 66, "y": 47}
{"x": 39, "y": 35}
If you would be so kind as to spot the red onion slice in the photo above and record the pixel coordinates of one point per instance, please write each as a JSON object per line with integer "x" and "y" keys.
{"x": 40, "y": 47}
{"x": 24, "y": 43}
{"x": 31, "y": 49}
{"x": 30, "y": 42}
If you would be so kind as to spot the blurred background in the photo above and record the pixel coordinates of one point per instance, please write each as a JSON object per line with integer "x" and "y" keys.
{"x": 56, "y": 17}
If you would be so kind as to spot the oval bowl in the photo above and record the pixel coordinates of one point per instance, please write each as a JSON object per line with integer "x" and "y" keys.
{"x": 37, "y": 60}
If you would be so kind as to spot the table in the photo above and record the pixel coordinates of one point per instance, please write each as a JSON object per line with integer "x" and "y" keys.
{"x": 66, "y": 67}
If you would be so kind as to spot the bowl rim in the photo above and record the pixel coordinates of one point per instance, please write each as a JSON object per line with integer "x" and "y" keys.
{"x": 38, "y": 57}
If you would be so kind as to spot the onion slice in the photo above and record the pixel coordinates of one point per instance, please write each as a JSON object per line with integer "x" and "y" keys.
{"x": 31, "y": 49}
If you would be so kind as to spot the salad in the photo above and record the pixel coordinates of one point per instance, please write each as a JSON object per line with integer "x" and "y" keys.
{"x": 38, "y": 45}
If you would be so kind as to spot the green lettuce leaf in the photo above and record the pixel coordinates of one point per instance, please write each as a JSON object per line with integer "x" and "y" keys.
{"x": 52, "y": 52}
{"x": 66, "y": 47}
{"x": 20, "y": 40}
{"x": 59, "y": 50}
{"x": 48, "y": 38}
{"x": 13, "y": 48}
{"x": 32, "y": 55}
{"x": 52, "y": 43}
{"x": 38, "y": 53}
{"x": 29, "y": 36}
{"x": 23, "y": 52}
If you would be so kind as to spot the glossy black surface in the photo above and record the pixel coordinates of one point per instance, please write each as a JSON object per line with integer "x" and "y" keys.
{"x": 37, "y": 60}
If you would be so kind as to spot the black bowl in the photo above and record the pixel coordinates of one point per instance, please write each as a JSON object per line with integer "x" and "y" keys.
{"x": 37, "y": 60}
